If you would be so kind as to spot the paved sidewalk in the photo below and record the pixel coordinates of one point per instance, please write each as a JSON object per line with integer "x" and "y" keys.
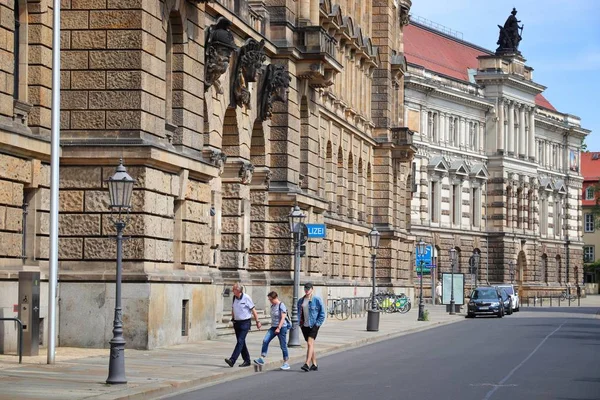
{"x": 81, "y": 373}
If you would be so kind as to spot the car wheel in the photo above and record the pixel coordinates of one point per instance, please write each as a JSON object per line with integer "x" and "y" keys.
{"x": 510, "y": 311}
{"x": 500, "y": 313}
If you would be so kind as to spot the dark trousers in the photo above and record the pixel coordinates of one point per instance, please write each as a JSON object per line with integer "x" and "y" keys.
{"x": 241, "y": 331}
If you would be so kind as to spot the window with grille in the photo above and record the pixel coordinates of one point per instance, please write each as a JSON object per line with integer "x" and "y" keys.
{"x": 588, "y": 254}
{"x": 589, "y": 193}
{"x": 589, "y": 222}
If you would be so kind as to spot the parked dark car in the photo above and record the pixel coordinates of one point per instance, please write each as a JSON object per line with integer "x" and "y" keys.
{"x": 486, "y": 300}
{"x": 506, "y": 301}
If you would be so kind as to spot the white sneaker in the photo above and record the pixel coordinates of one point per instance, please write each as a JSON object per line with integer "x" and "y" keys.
{"x": 285, "y": 366}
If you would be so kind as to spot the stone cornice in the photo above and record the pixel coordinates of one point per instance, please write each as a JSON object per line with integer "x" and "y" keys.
{"x": 20, "y": 142}
{"x": 511, "y": 80}
{"x": 440, "y": 92}
{"x": 140, "y": 154}
{"x": 346, "y": 125}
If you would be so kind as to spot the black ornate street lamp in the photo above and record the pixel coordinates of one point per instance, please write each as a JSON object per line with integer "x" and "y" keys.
{"x": 373, "y": 314}
{"x": 296, "y": 218}
{"x": 511, "y": 270}
{"x": 452, "y": 262}
{"x": 120, "y": 188}
{"x": 421, "y": 248}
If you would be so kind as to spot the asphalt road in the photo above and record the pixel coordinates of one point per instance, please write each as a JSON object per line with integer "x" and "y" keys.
{"x": 536, "y": 354}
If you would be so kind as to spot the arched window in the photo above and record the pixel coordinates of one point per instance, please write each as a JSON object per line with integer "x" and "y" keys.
{"x": 341, "y": 184}
{"x": 544, "y": 269}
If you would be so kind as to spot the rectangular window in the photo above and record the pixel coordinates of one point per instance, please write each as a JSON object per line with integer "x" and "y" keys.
{"x": 588, "y": 254}
{"x": 456, "y": 212}
{"x": 589, "y": 193}
{"x": 433, "y": 202}
{"x": 589, "y": 222}
{"x": 473, "y": 206}
{"x": 544, "y": 216}
{"x": 184, "y": 317}
{"x": 557, "y": 218}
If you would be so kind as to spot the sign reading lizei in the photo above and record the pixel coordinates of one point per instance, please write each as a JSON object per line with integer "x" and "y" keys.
{"x": 316, "y": 230}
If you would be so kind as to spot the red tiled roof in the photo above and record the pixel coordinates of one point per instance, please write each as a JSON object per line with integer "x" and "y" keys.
{"x": 590, "y": 169}
{"x": 444, "y": 55}
{"x": 542, "y": 102}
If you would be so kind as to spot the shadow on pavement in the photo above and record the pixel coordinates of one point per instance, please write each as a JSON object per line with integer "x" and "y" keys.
{"x": 572, "y": 310}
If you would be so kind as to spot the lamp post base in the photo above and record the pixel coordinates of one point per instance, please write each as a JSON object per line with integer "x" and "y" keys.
{"x": 116, "y": 366}
{"x": 294, "y": 339}
{"x": 372, "y": 320}
{"x": 452, "y": 308}
{"x": 421, "y": 312}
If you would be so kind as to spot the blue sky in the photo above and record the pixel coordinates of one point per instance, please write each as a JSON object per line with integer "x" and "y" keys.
{"x": 561, "y": 42}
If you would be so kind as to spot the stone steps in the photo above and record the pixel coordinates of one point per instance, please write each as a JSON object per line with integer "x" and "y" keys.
{"x": 225, "y": 327}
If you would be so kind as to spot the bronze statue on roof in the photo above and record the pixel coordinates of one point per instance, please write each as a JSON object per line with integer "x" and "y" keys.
{"x": 510, "y": 35}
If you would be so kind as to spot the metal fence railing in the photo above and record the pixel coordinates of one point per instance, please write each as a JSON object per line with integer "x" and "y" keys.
{"x": 551, "y": 301}
{"x": 20, "y": 344}
{"x": 347, "y": 307}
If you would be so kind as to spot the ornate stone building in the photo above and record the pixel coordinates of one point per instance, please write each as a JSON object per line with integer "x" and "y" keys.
{"x": 227, "y": 113}
{"x": 497, "y": 166}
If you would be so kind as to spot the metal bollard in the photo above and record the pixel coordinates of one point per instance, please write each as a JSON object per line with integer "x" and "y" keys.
{"x": 550, "y": 301}
{"x": 534, "y": 301}
{"x": 559, "y": 301}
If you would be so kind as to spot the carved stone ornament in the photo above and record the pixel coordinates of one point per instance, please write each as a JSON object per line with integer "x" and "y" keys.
{"x": 510, "y": 35}
{"x": 404, "y": 16}
{"x": 218, "y": 48}
{"x": 268, "y": 177}
{"x": 218, "y": 159}
{"x": 249, "y": 61}
{"x": 301, "y": 178}
{"x": 275, "y": 87}
{"x": 246, "y": 172}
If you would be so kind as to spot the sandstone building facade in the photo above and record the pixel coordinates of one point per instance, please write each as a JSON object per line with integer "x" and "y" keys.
{"x": 498, "y": 167}
{"x": 227, "y": 113}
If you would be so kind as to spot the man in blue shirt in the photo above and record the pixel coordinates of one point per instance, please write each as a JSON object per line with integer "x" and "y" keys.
{"x": 242, "y": 312}
{"x": 312, "y": 315}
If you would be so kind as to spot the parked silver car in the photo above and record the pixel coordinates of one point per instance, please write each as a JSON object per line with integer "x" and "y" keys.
{"x": 513, "y": 293}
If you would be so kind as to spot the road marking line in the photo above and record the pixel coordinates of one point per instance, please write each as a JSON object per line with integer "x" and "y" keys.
{"x": 493, "y": 384}
{"x": 489, "y": 395}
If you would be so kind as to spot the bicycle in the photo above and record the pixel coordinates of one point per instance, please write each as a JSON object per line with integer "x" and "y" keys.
{"x": 340, "y": 309}
{"x": 566, "y": 295}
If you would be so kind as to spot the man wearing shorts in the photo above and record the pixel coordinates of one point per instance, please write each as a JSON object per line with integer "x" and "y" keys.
{"x": 312, "y": 315}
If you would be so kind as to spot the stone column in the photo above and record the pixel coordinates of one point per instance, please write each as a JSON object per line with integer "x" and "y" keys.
{"x": 304, "y": 12}
{"x": 522, "y": 144}
{"x": 461, "y": 133}
{"x": 442, "y": 128}
{"x": 532, "y": 149}
{"x": 511, "y": 128}
{"x": 500, "y": 127}
{"x": 481, "y": 137}
{"x": 424, "y": 122}
{"x": 314, "y": 12}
